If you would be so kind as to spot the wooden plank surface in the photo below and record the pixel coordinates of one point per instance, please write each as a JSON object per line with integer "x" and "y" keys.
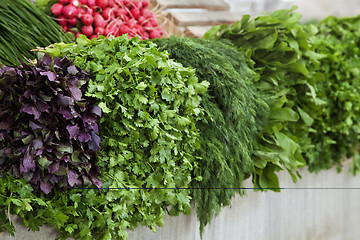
{"x": 203, "y": 4}
{"x": 196, "y": 31}
{"x": 204, "y": 18}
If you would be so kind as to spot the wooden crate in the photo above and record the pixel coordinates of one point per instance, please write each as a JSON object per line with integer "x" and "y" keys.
{"x": 192, "y": 17}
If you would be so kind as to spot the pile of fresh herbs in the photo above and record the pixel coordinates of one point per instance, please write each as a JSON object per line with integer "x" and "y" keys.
{"x": 149, "y": 136}
{"x": 252, "y": 98}
{"x": 338, "y": 124}
{"x": 48, "y": 129}
{"x": 235, "y": 112}
{"x": 282, "y": 51}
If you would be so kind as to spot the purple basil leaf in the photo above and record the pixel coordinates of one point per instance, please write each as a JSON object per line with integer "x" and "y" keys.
{"x": 65, "y": 100}
{"x": 37, "y": 144}
{"x": 36, "y": 178}
{"x": 94, "y": 143}
{"x": 34, "y": 126}
{"x": 58, "y": 63}
{"x": 89, "y": 120}
{"x": 84, "y": 137}
{"x": 75, "y": 92}
{"x": 55, "y": 89}
{"x": 39, "y": 152}
{"x": 42, "y": 106}
{"x": 72, "y": 70}
{"x": 73, "y": 130}
{"x": 16, "y": 171}
{"x": 27, "y": 108}
{"x": 72, "y": 177}
{"x": 45, "y": 186}
{"x": 5, "y": 124}
{"x": 51, "y": 76}
{"x": 96, "y": 181}
{"x": 96, "y": 110}
{"x": 54, "y": 179}
{"x": 47, "y": 60}
{"x": 94, "y": 127}
{"x": 28, "y": 94}
{"x": 53, "y": 168}
{"x": 28, "y": 163}
{"x": 65, "y": 112}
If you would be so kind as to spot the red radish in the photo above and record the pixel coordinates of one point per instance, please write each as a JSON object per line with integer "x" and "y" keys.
{"x": 111, "y": 3}
{"x": 63, "y": 1}
{"x": 62, "y": 20}
{"x": 124, "y": 29}
{"x": 131, "y": 23}
{"x": 70, "y": 11}
{"x": 154, "y": 34}
{"x": 111, "y": 28}
{"x": 99, "y": 21}
{"x": 127, "y": 3}
{"x": 145, "y": 35}
{"x": 144, "y": 3}
{"x": 72, "y": 21}
{"x": 83, "y": 2}
{"x": 96, "y": 13}
{"x": 108, "y": 14}
{"x": 81, "y": 11}
{"x": 77, "y": 35}
{"x": 91, "y": 3}
{"x": 87, "y": 30}
{"x": 75, "y": 2}
{"x": 147, "y": 24}
{"x": 93, "y": 36}
{"x": 141, "y": 19}
{"x": 153, "y": 22}
{"x": 65, "y": 28}
{"x": 125, "y": 18}
{"x": 140, "y": 29}
{"x": 145, "y": 12}
{"x": 57, "y": 9}
{"x": 119, "y": 12}
{"x": 102, "y": 3}
{"x": 87, "y": 19}
{"x": 99, "y": 30}
{"x": 90, "y": 11}
{"x": 135, "y": 12}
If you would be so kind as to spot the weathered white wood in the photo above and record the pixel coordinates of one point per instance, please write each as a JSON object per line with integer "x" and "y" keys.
{"x": 297, "y": 214}
{"x": 204, "y": 18}
{"x": 196, "y": 31}
{"x": 204, "y": 4}
{"x": 325, "y": 206}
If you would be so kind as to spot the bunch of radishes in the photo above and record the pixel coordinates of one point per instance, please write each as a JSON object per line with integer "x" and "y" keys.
{"x": 107, "y": 17}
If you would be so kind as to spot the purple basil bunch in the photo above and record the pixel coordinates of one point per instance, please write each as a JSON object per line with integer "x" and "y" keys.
{"x": 48, "y": 128}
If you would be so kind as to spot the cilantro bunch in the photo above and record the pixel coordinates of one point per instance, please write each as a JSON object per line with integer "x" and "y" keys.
{"x": 148, "y": 130}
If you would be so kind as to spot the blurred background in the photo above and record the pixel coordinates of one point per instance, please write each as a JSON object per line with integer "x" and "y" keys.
{"x": 310, "y": 9}
{"x": 194, "y": 18}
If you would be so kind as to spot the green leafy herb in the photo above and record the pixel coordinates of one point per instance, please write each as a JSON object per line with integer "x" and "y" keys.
{"x": 235, "y": 113}
{"x": 338, "y": 123}
{"x": 148, "y": 132}
{"x": 24, "y": 27}
{"x": 279, "y": 48}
